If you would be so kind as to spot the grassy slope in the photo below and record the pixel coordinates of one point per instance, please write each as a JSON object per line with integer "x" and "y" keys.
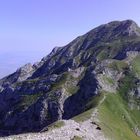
{"x": 89, "y": 109}
{"x": 136, "y": 65}
{"x": 117, "y": 120}
{"x": 67, "y": 81}
{"x": 55, "y": 125}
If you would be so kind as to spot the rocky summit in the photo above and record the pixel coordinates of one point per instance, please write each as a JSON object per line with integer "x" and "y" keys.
{"x": 86, "y": 90}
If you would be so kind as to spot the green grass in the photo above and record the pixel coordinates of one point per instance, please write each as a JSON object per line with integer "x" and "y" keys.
{"x": 136, "y": 65}
{"x": 61, "y": 82}
{"x": 118, "y": 65}
{"x": 90, "y": 106}
{"x": 94, "y": 101}
{"x": 72, "y": 89}
{"x": 77, "y": 138}
{"x": 125, "y": 85}
{"x": 83, "y": 116}
{"x": 55, "y": 125}
{"x": 116, "y": 119}
{"x": 108, "y": 80}
{"x": 68, "y": 82}
{"x": 63, "y": 60}
{"x": 103, "y": 55}
{"x": 28, "y": 100}
{"x": 78, "y": 58}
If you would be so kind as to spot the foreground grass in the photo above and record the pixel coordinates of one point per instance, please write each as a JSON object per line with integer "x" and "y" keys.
{"x": 116, "y": 120}
{"x": 83, "y": 116}
{"x": 55, "y": 125}
{"x": 136, "y": 65}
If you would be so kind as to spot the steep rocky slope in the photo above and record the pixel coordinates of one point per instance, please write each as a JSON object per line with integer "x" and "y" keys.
{"x": 93, "y": 83}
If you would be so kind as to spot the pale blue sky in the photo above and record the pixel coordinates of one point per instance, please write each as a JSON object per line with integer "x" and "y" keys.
{"x": 29, "y": 29}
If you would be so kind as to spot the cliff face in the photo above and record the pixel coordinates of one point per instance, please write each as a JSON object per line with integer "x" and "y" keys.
{"x": 71, "y": 80}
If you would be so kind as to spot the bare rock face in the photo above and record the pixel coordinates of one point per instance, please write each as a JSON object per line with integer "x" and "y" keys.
{"x": 25, "y": 72}
{"x": 20, "y": 75}
{"x": 106, "y": 75}
{"x": 133, "y": 29}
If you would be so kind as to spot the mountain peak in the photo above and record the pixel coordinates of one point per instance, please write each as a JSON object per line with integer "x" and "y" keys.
{"x": 127, "y": 27}
{"x": 114, "y": 30}
{"x": 128, "y": 22}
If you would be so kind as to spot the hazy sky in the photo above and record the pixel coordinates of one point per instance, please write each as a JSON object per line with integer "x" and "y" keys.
{"x": 29, "y": 29}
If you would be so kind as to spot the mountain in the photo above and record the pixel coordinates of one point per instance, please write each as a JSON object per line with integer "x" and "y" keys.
{"x": 88, "y": 89}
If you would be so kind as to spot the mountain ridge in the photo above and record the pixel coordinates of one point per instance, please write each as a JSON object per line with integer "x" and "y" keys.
{"x": 127, "y": 22}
